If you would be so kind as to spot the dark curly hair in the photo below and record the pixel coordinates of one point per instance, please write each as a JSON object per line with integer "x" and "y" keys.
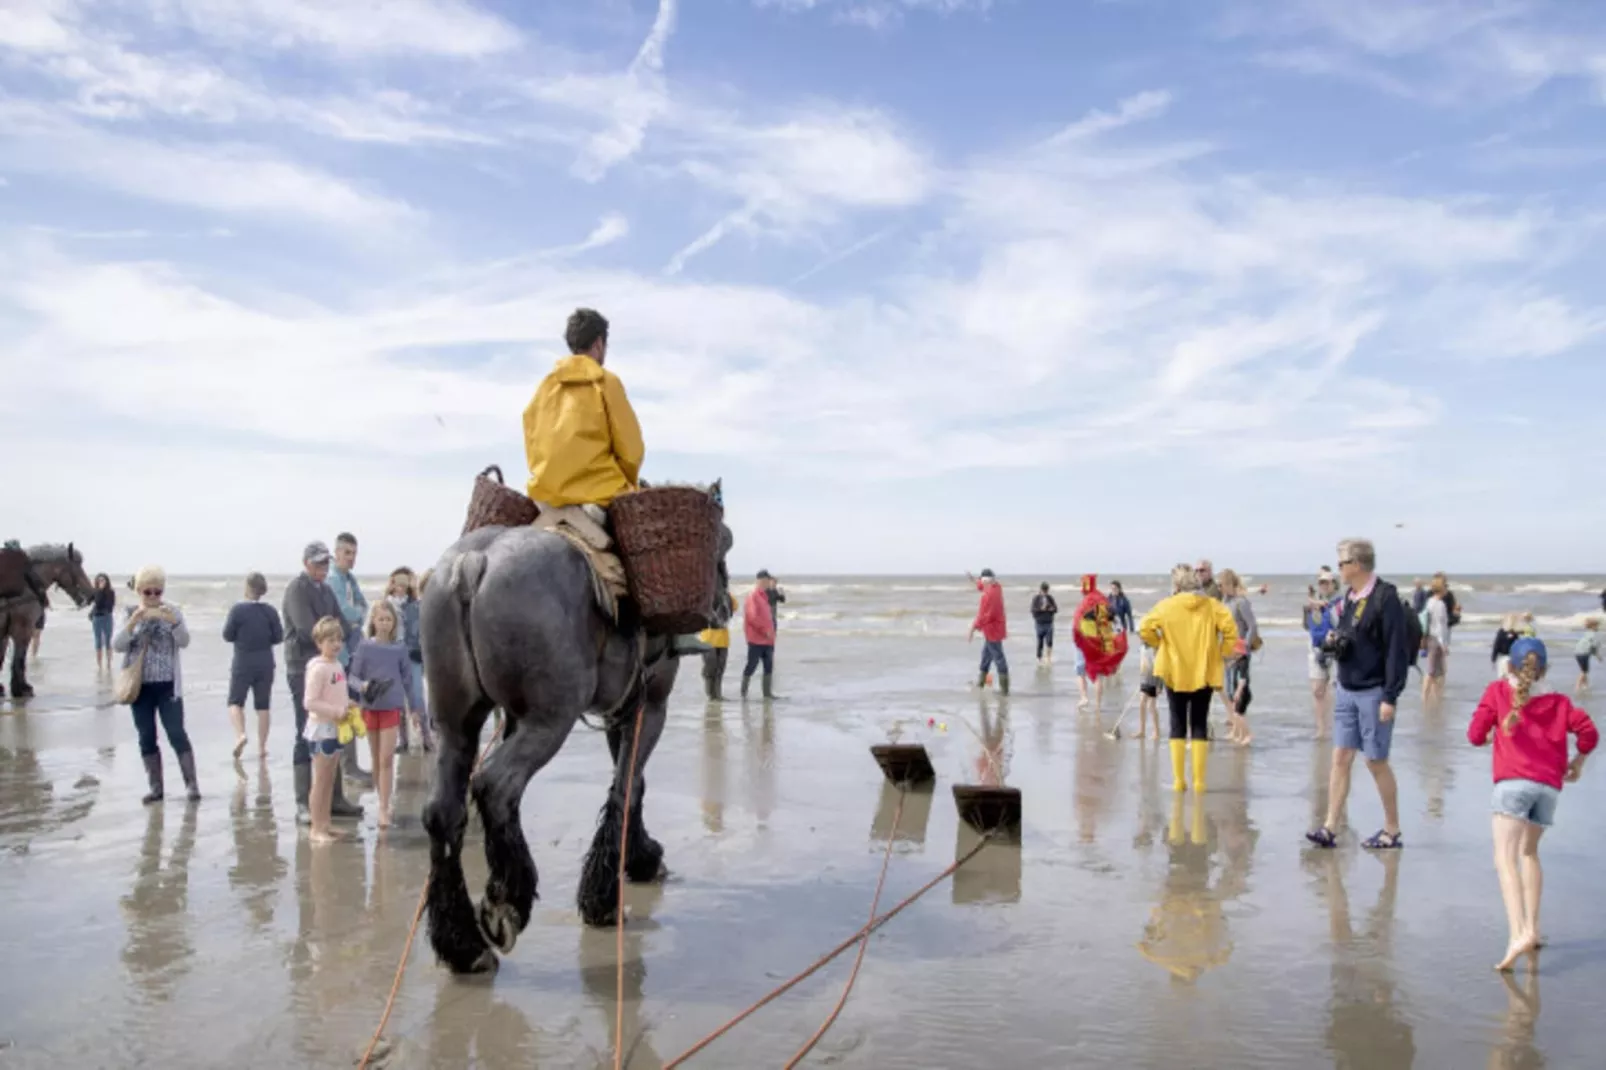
{"x": 586, "y": 328}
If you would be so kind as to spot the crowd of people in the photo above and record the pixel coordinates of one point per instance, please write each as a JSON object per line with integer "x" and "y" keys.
{"x": 1198, "y": 643}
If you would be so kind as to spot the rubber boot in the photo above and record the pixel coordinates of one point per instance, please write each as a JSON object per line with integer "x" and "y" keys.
{"x": 339, "y": 806}
{"x": 1003, "y": 683}
{"x": 1199, "y": 834}
{"x": 716, "y": 689}
{"x": 767, "y": 685}
{"x": 303, "y": 789}
{"x": 1174, "y": 833}
{"x": 1179, "y": 763}
{"x": 1201, "y": 752}
{"x": 710, "y": 689}
{"x": 153, "y": 773}
{"x": 186, "y": 765}
{"x": 348, "y": 765}
{"x": 745, "y": 681}
{"x": 981, "y": 681}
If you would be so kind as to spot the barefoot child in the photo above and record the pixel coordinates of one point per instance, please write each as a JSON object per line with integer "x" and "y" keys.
{"x": 1588, "y": 647}
{"x": 381, "y": 671}
{"x": 326, "y": 701}
{"x": 1530, "y": 762}
{"x": 1149, "y": 686}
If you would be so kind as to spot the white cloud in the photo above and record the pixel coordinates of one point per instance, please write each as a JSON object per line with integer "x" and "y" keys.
{"x": 451, "y": 28}
{"x": 1134, "y": 109}
{"x": 636, "y": 100}
{"x": 879, "y": 14}
{"x": 208, "y": 176}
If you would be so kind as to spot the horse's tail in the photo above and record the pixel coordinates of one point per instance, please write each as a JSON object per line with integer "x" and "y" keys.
{"x": 464, "y": 579}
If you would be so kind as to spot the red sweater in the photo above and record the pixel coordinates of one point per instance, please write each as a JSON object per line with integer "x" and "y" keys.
{"x": 758, "y": 619}
{"x": 990, "y": 616}
{"x": 1537, "y": 749}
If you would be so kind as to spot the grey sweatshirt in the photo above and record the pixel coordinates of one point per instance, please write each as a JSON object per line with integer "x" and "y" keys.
{"x": 306, "y": 602}
{"x": 386, "y": 662}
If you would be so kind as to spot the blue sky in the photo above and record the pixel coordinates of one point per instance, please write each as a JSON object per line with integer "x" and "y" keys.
{"x": 930, "y": 283}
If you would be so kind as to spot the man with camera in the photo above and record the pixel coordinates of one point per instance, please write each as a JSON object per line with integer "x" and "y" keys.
{"x": 1371, "y": 645}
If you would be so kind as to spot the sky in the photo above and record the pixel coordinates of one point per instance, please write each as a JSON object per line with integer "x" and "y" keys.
{"x": 932, "y": 285}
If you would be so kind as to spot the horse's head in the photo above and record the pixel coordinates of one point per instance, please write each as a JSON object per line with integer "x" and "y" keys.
{"x": 64, "y": 567}
{"x": 720, "y": 611}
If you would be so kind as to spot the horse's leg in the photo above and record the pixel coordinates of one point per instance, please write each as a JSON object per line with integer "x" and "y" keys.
{"x": 531, "y": 741}
{"x": 644, "y": 855}
{"x": 21, "y": 636}
{"x": 598, "y": 896}
{"x": 453, "y": 930}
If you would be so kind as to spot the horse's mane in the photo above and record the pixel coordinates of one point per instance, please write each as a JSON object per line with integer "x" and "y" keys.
{"x": 54, "y": 553}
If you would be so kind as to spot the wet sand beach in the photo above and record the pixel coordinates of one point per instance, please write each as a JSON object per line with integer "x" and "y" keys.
{"x": 1131, "y": 927}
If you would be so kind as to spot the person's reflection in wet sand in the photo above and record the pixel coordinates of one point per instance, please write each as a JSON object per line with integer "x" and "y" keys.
{"x": 598, "y": 975}
{"x": 1321, "y": 765}
{"x": 713, "y": 769}
{"x": 992, "y": 756}
{"x": 1151, "y": 816}
{"x": 1365, "y": 1028}
{"x": 1093, "y": 780}
{"x": 258, "y": 868}
{"x": 1514, "y": 1049}
{"x": 1186, "y": 934}
{"x": 158, "y": 951}
{"x": 1435, "y": 745}
{"x": 330, "y": 905}
{"x": 760, "y": 763}
{"x": 1236, "y": 833}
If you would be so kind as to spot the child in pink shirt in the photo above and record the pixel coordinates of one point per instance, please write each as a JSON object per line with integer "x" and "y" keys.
{"x": 326, "y": 702}
{"x": 1530, "y": 763}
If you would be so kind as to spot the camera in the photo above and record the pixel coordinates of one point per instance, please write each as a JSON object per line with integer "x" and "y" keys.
{"x": 1340, "y": 643}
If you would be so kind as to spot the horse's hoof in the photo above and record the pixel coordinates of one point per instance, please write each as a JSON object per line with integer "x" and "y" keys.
{"x": 499, "y": 924}
{"x": 22, "y": 692}
{"x": 483, "y": 966}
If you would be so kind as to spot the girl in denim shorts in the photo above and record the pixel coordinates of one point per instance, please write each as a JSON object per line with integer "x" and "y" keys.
{"x": 1530, "y": 763}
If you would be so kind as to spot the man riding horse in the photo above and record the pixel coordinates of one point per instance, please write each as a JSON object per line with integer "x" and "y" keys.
{"x": 537, "y": 620}
{"x": 584, "y": 445}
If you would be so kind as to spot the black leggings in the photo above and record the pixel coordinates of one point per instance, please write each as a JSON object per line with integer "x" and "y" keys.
{"x": 1190, "y": 709}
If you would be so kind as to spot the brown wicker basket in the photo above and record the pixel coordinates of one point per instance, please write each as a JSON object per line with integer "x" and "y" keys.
{"x": 494, "y": 502}
{"x": 669, "y": 541}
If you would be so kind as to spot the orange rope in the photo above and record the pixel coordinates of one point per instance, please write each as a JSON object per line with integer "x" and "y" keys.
{"x": 787, "y": 986}
{"x": 619, "y": 918}
{"x": 412, "y": 932}
{"x": 864, "y": 942}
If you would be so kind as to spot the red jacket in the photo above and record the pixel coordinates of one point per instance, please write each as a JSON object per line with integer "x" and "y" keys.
{"x": 758, "y": 619}
{"x": 1537, "y": 749}
{"x": 990, "y": 616}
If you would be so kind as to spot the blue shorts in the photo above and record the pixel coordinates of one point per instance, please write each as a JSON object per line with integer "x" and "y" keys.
{"x": 1526, "y": 800}
{"x": 1356, "y": 725}
{"x": 326, "y": 747}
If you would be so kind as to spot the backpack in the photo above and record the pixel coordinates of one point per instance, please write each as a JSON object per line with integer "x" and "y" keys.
{"x": 1414, "y": 631}
{"x": 1453, "y": 607}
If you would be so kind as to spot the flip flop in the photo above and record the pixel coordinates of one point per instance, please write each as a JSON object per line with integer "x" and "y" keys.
{"x": 1384, "y": 841}
{"x": 1322, "y": 837}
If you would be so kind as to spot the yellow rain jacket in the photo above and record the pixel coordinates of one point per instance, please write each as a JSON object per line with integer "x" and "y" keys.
{"x": 1194, "y": 636}
{"x": 581, "y": 436}
{"x": 718, "y": 638}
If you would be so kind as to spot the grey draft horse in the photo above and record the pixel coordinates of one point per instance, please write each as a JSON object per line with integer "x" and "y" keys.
{"x": 509, "y": 619}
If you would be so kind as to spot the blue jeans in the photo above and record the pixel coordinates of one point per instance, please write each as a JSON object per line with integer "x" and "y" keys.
{"x": 157, "y": 700}
{"x": 1045, "y": 637}
{"x": 102, "y": 627}
{"x": 757, "y": 654}
{"x": 992, "y": 653}
{"x": 1357, "y": 726}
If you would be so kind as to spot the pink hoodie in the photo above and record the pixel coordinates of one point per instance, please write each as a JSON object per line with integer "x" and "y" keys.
{"x": 326, "y": 699}
{"x": 758, "y": 619}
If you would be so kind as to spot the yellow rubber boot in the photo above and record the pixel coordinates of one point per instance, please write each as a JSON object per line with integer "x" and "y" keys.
{"x": 1174, "y": 834}
{"x": 1179, "y": 762}
{"x": 1201, "y": 753}
{"x": 1199, "y": 832}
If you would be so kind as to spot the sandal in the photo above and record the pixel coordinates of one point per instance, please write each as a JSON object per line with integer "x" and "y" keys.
{"x": 1322, "y": 837}
{"x": 1384, "y": 841}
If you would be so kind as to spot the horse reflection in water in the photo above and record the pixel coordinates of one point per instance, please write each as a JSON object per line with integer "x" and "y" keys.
{"x": 511, "y": 621}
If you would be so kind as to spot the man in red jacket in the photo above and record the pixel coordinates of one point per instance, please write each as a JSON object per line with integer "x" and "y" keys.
{"x": 990, "y": 623}
{"x": 758, "y": 625}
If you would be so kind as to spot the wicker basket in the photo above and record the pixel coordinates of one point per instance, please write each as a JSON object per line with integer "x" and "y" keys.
{"x": 494, "y": 502}
{"x": 669, "y": 541}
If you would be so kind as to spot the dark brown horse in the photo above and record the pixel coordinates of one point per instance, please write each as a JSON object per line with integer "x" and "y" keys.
{"x": 24, "y": 578}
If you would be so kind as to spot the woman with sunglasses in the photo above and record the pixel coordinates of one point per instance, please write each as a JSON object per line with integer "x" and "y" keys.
{"x": 153, "y": 633}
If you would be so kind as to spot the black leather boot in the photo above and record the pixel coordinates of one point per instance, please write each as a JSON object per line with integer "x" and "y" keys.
{"x": 339, "y": 806}
{"x": 153, "y": 773}
{"x": 186, "y": 765}
{"x": 303, "y": 790}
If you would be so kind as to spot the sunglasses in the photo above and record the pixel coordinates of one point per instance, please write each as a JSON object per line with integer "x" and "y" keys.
{"x": 1346, "y": 561}
{"x": 154, "y": 592}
